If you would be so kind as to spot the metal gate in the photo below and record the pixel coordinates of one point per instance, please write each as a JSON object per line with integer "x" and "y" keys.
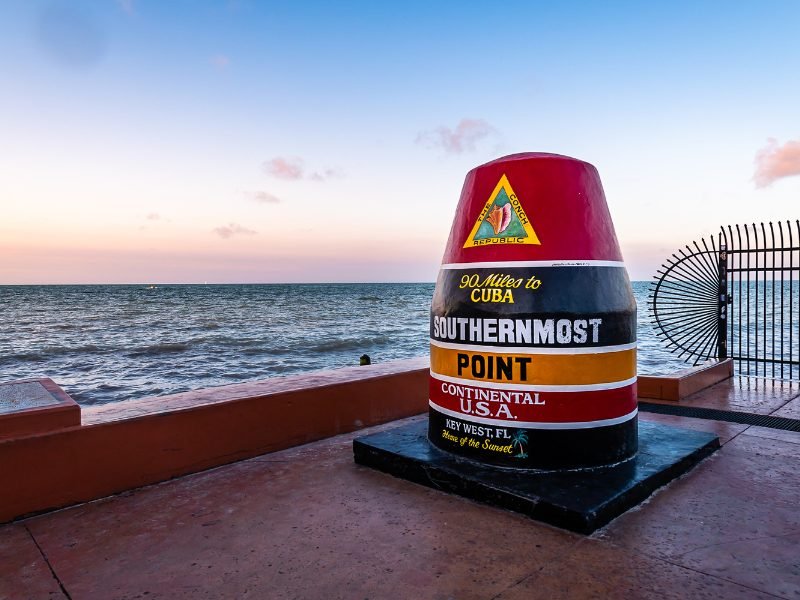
{"x": 734, "y": 295}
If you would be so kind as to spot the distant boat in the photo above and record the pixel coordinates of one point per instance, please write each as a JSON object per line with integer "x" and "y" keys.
{"x": 151, "y": 287}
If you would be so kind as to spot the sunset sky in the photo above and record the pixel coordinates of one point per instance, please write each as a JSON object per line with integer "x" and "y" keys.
{"x": 242, "y": 141}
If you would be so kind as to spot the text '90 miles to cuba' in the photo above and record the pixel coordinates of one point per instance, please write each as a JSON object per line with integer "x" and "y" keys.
{"x": 496, "y": 287}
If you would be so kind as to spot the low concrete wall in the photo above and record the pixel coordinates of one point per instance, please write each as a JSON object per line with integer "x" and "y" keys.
{"x": 679, "y": 385}
{"x": 53, "y": 412}
{"x": 139, "y": 442}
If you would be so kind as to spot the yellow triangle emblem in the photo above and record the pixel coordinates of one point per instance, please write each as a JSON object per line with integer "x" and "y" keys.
{"x": 502, "y": 220}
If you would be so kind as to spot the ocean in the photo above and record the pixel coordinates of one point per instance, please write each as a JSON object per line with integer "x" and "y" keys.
{"x": 105, "y": 343}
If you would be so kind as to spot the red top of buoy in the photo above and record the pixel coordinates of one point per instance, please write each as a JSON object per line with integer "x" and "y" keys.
{"x": 532, "y": 206}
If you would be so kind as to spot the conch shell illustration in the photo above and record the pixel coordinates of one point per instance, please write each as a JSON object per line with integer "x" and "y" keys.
{"x": 499, "y": 218}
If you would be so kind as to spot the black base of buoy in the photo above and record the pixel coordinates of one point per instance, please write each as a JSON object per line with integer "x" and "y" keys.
{"x": 543, "y": 448}
{"x": 578, "y": 500}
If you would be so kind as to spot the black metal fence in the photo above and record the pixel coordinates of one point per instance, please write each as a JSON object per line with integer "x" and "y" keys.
{"x": 736, "y": 297}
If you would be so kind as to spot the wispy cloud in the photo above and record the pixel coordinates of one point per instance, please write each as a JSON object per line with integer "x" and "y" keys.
{"x": 293, "y": 169}
{"x": 220, "y": 61}
{"x": 263, "y": 197}
{"x": 153, "y": 217}
{"x": 775, "y": 162}
{"x": 324, "y": 175}
{"x": 285, "y": 168}
{"x": 462, "y": 138}
{"x": 232, "y": 229}
{"x": 127, "y": 6}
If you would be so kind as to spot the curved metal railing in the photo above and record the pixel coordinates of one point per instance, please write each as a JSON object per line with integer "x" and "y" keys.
{"x": 734, "y": 297}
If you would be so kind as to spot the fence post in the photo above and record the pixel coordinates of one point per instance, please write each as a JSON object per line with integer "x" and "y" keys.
{"x": 722, "y": 303}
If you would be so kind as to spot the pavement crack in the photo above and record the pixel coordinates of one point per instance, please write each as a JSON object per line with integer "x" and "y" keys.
{"x": 736, "y": 541}
{"x": 49, "y": 566}
{"x": 556, "y": 559}
{"x": 728, "y": 579}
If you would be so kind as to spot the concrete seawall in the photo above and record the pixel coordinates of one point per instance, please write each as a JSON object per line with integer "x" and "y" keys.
{"x": 130, "y": 444}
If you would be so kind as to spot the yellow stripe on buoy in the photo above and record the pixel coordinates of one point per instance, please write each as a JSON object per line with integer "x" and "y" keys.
{"x": 534, "y": 369}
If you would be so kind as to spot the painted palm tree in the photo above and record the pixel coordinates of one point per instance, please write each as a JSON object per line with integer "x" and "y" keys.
{"x": 519, "y": 439}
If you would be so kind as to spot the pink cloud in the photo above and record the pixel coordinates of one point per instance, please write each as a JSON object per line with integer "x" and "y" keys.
{"x": 153, "y": 217}
{"x": 285, "y": 168}
{"x": 220, "y": 61}
{"x": 293, "y": 169}
{"x": 232, "y": 229}
{"x": 462, "y": 138}
{"x": 774, "y": 162}
{"x": 264, "y": 198}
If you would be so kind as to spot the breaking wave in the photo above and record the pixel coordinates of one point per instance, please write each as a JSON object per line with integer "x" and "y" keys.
{"x": 164, "y": 348}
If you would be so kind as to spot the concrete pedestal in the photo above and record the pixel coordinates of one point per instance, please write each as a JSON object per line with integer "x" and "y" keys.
{"x": 34, "y": 407}
{"x": 578, "y": 500}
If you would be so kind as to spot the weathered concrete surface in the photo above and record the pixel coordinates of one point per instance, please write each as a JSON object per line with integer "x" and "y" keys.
{"x": 737, "y": 518}
{"x": 23, "y": 570}
{"x": 790, "y": 410}
{"x": 309, "y": 523}
{"x": 747, "y": 394}
{"x": 35, "y": 407}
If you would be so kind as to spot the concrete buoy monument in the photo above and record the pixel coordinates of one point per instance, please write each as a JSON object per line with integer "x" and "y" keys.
{"x": 532, "y": 387}
{"x": 533, "y": 321}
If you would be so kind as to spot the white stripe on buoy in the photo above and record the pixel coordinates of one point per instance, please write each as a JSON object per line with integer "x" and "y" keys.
{"x": 584, "y": 387}
{"x": 535, "y": 263}
{"x": 532, "y": 349}
{"x": 535, "y": 424}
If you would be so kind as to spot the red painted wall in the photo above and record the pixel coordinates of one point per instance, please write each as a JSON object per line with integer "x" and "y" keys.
{"x": 84, "y": 463}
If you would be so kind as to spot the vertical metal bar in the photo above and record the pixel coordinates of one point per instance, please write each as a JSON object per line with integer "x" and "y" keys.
{"x": 729, "y": 331}
{"x": 772, "y": 312}
{"x": 764, "y": 297}
{"x": 797, "y": 230}
{"x": 791, "y": 295}
{"x": 757, "y": 294}
{"x": 729, "y": 298}
{"x": 747, "y": 328}
{"x": 739, "y": 296}
{"x": 755, "y": 298}
{"x": 722, "y": 300}
{"x": 780, "y": 230}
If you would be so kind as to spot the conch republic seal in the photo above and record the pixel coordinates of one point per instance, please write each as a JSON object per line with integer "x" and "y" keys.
{"x": 533, "y": 322}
